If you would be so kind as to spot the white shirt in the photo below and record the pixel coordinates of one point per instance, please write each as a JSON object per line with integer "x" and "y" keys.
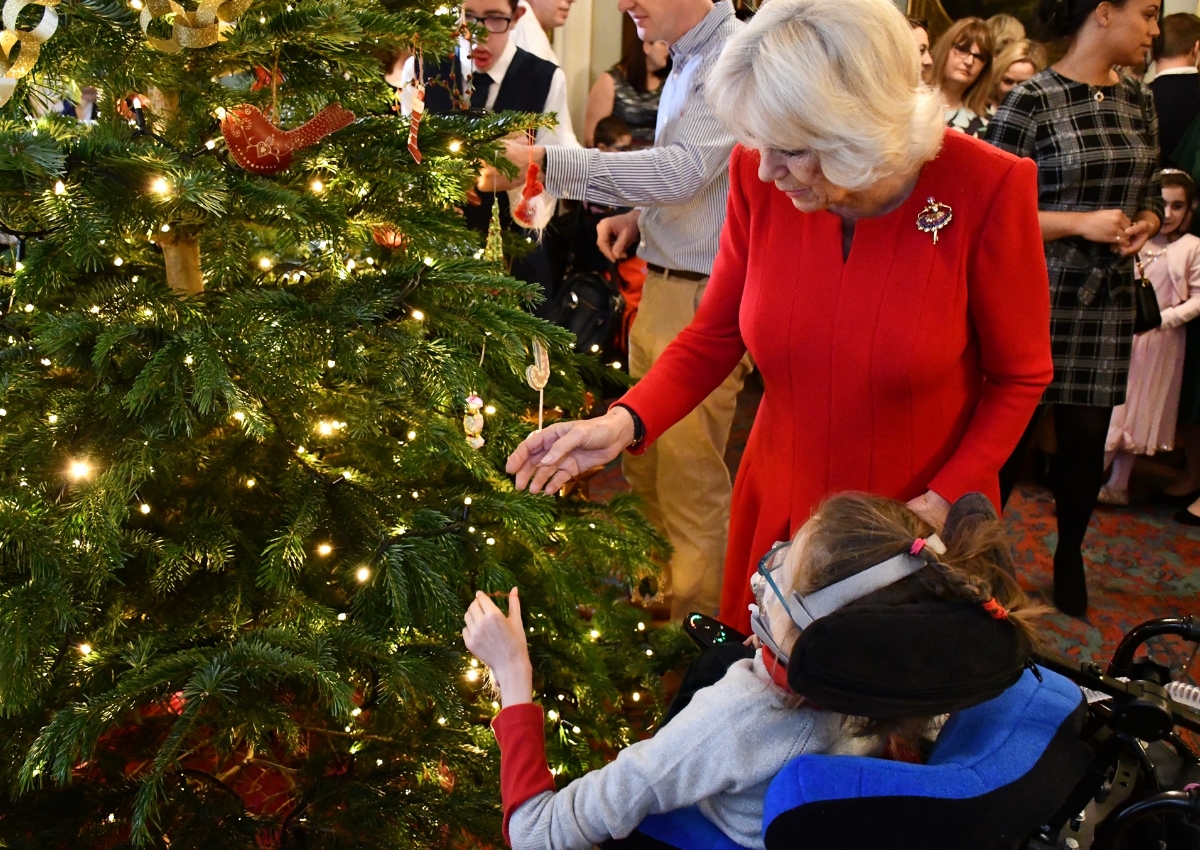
{"x": 556, "y": 100}
{"x": 528, "y": 35}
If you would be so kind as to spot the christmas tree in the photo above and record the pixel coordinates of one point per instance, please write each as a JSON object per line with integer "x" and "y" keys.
{"x": 257, "y": 387}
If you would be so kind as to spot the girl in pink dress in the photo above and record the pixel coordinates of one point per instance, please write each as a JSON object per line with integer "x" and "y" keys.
{"x": 1145, "y": 423}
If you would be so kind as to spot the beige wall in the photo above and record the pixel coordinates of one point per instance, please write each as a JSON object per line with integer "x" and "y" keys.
{"x": 587, "y": 45}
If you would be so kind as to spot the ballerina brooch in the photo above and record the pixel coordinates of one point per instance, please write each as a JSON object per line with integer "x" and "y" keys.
{"x": 934, "y": 217}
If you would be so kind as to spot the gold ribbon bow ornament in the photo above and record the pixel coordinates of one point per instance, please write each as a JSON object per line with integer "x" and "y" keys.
{"x": 31, "y": 41}
{"x": 201, "y": 28}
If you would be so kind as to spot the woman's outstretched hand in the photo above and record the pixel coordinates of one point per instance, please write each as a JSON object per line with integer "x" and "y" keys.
{"x": 499, "y": 642}
{"x": 549, "y": 458}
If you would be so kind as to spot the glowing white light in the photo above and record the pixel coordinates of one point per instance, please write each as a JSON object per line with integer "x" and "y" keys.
{"x": 356, "y": 712}
{"x": 264, "y": 263}
{"x": 342, "y": 617}
{"x": 330, "y": 363}
{"x": 239, "y": 416}
{"x": 636, "y": 697}
{"x": 350, "y": 264}
{"x": 117, "y": 261}
{"x": 28, "y": 308}
{"x": 160, "y": 186}
{"x": 317, "y": 186}
{"x": 472, "y": 675}
{"x": 649, "y": 652}
{"x": 467, "y": 500}
{"x": 79, "y": 469}
{"x": 441, "y": 721}
{"x": 325, "y": 428}
{"x": 165, "y": 228}
{"x": 575, "y": 729}
{"x": 188, "y": 361}
{"x": 595, "y": 634}
{"x": 490, "y": 410}
{"x": 210, "y": 144}
{"x": 52, "y": 418}
{"x": 250, "y": 482}
{"x": 429, "y": 261}
{"x": 363, "y": 574}
{"x": 60, "y": 188}
{"x": 324, "y": 549}
{"x": 85, "y": 648}
{"x": 455, "y": 146}
{"x": 418, "y": 315}
{"x": 552, "y": 714}
{"x": 491, "y": 541}
{"x": 145, "y": 509}
{"x": 641, "y": 627}
{"x": 45, "y": 361}
{"x": 412, "y": 435}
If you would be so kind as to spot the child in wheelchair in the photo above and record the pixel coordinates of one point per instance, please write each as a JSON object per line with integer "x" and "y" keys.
{"x": 867, "y": 627}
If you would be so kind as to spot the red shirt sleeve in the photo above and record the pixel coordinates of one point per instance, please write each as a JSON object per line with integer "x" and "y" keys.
{"x": 523, "y": 770}
{"x": 708, "y": 349}
{"x": 1008, "y": 293}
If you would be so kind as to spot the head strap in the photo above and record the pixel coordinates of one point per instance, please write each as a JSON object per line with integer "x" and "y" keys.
{"x": 805, "y": 609}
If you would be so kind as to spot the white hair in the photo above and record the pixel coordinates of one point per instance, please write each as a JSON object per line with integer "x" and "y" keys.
{"x": 838, "y": 78}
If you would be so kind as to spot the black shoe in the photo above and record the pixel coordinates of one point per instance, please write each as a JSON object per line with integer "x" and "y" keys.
{"x": 1163, "y": 498}
{"x": 1186, "y": 517}
{"x": 1070, "y": 584}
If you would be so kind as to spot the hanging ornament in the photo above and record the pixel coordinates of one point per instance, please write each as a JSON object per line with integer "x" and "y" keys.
{"x": 201, "y": 28}
{"x": 493, "y": 249}
{"x": 473, "y": 422}
{"x": 538, "y": 375}
{"x": 414, "y": 122}
{"x": 31, "y": 42}
{"x": 181, "y": 259}
{"x": 264, "y": 78}
{"x": 387, "y": 236}
{"x": 531, "y": 205}
{"x": 258, "y": 145}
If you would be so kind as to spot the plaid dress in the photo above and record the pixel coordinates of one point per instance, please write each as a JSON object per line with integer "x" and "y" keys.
{"x": 1096, "y": 148}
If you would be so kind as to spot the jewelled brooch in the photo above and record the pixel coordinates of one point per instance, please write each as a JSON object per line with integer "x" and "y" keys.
{"x": 934, "y": 217}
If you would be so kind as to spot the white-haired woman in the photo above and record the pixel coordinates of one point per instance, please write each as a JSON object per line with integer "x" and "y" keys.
{"x": 886, "y": 274}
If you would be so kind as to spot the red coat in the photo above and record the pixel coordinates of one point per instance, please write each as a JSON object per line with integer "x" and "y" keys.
{"x": 911, "y": 366}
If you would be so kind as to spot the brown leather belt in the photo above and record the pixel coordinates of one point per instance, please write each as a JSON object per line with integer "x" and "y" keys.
{"x": 692, "y": 276}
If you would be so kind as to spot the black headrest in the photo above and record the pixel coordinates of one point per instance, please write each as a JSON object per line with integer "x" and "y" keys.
{"x": 902, "y": 651}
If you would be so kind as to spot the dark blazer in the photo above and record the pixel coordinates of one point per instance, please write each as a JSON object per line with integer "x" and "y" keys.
{"x": 1177, "y": 100}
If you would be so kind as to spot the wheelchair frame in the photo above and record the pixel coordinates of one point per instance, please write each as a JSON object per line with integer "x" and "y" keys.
{"x": 1142, "y": 791}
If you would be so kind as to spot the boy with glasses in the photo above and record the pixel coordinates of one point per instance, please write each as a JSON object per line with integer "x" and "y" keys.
{"x": 501, "y": 77}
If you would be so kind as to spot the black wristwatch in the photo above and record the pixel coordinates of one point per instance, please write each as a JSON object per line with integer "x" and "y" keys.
{"x": 639, "y": 428}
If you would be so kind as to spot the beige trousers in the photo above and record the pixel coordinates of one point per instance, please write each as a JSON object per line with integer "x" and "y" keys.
{"x": 682, "y": 477}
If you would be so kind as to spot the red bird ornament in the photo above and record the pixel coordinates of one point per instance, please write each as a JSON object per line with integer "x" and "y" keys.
{"x": 258, "y": 145}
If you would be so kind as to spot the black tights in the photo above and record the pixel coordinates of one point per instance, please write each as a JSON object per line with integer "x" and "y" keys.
{"x": 1078, "y": 475}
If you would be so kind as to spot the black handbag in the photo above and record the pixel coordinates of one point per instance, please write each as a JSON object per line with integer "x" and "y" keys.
{"x": 590, "y": 306}
{"x": 1145, "y": 298}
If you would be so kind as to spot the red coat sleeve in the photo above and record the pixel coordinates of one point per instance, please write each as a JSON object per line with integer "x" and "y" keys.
{"x": 523, "y": 770}
{"x": 708, "y": 349}
{"x": 1008, "y": 294}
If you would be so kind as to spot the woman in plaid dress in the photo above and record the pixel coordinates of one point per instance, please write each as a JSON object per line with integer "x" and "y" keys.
{"x": 1094, "y": 137}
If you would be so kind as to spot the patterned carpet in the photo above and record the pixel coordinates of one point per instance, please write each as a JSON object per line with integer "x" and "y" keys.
{"x": 1141, "y": 564}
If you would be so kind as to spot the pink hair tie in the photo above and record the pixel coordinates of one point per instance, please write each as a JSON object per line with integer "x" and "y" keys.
{"x": 917, "y": 546}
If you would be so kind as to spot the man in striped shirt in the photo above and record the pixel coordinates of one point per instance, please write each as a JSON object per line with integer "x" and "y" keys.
{"x": 678, "y": 189}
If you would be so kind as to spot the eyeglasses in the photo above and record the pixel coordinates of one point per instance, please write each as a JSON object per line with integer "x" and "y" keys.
{"x": 760, "y": 622}
{"x": 493, "y": 23}
{"x": 964, "y": 50}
